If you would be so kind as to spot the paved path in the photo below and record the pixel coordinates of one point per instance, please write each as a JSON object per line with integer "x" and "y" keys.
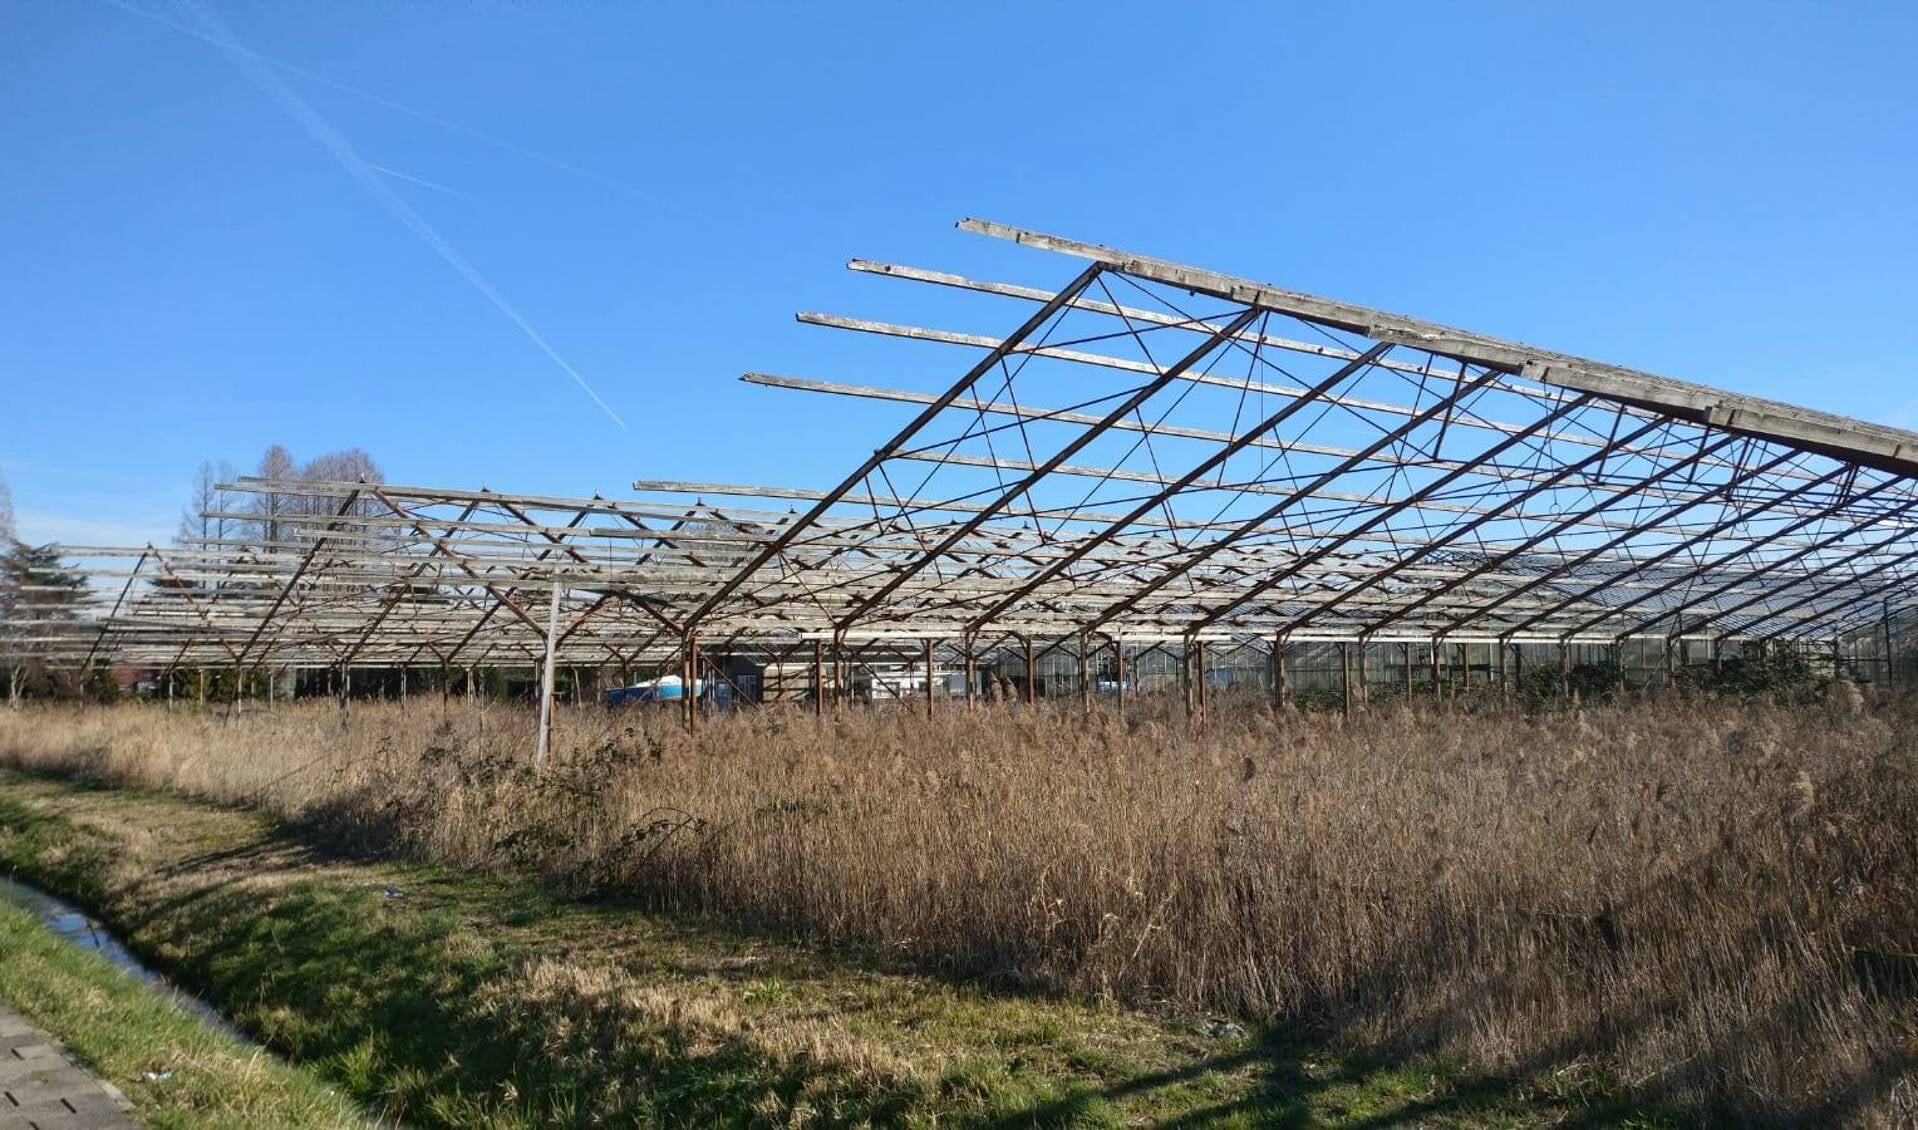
{"x": 41, "y": 1089}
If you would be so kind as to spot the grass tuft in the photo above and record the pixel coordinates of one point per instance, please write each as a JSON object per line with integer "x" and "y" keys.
{"x": 176, "y": 1070}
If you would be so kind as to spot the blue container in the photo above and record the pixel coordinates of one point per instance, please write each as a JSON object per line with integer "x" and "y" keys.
{"x": 668, "y": 689}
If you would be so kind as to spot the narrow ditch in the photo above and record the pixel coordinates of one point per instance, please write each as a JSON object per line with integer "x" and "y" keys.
{"x": 83, "y": 930}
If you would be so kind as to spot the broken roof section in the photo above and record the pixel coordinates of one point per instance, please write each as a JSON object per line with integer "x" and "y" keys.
{"x": 1157, "y": 451}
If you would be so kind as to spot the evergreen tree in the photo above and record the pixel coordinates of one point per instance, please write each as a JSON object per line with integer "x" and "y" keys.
{"x": 40, "y": 600}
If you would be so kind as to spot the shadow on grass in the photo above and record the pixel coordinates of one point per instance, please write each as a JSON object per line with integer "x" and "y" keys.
{"x": 403, "y": 1008}
{"x": 1281, "y": 1100}
{"x": 1372, "y": 1092}
{"x": 1292, "y": 1091}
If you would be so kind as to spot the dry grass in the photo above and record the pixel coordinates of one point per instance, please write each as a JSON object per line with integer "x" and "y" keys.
{"x": 1712, "y": 902}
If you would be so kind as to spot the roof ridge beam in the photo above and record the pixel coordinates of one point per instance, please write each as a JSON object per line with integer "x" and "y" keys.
{"x": 1887, "y": 448}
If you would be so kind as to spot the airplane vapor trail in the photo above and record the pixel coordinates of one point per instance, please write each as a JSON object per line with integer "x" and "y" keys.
{"x": 397, "y": 107}
{"x": 254, "y": 66}
{"x": 421, "y": 181}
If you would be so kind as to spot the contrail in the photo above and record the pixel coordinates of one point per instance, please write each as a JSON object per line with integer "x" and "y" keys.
{"x": 421, "y": 181}
{"x": 396, "y": 107}
{"x": 255, "y": 68}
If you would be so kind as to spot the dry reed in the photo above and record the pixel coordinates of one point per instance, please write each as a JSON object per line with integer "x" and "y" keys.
{"x": 1710, "y": 902}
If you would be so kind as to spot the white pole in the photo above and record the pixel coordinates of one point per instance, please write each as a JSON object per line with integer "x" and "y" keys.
{"x": 546, "y": 681}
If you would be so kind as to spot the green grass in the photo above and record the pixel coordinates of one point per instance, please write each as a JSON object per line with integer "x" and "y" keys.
{"x": 177, "y": 1071}
{"x": 478, "y": 1001}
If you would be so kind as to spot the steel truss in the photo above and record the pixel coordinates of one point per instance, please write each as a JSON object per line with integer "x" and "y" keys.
{"x": 1155, "y": 456}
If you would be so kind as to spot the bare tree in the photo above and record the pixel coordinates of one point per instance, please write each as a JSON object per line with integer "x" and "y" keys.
{"x": 6, "y": 514}
{"x": 277, "y": 463}
{"x": 352, "y": 465}
{"x": 203, "y": 519}
{"x": 265, "y": 519}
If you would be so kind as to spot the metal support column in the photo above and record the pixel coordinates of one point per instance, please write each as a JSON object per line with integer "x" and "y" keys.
{"x": 692, "y": 694}
{"x": 1277, "y": 672}
{"x": 818, "y": 677}
{"x": 1199, "y": 674}
{"x": 928, "y": 676}
{"x": 546, "y": 679}
{"x": 685, "y": 684}
{"x": 1032, "y": 675}
{"x": 1085, "y": 675}
{"x": 1284, "y": 660}
{"x": 1886, "y": 622}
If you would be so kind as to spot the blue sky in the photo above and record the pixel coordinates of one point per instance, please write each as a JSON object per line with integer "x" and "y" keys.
{"x": 204, "y": 254}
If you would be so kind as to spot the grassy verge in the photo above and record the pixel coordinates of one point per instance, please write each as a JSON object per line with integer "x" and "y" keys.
{"x": 452, "y": 1000}
{"x": 178, "y": 1071}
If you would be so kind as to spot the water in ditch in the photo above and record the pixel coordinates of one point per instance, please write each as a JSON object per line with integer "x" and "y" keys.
{"x": 87, "y": 932}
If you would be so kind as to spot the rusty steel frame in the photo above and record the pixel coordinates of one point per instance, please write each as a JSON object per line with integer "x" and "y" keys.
{"x": 1349, "y": 475}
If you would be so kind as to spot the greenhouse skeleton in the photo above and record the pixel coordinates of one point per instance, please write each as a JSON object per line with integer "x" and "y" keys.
{"x": 1157, "y": 458}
